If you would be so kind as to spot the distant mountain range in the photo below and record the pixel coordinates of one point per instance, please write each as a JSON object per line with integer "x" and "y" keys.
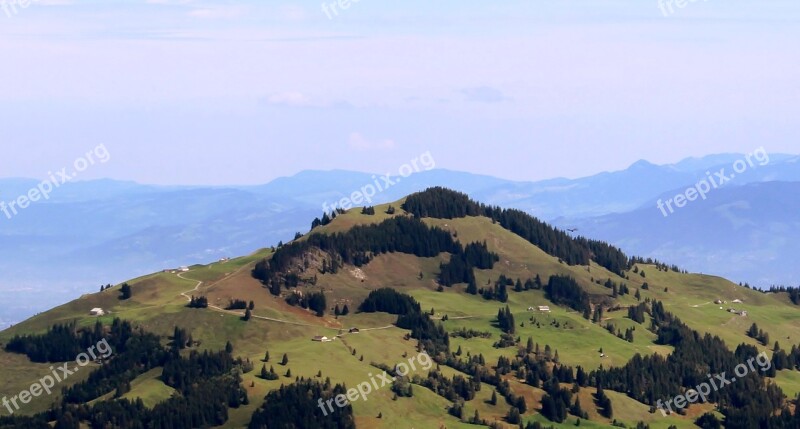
{"x": 97, "y": 232}
{"x": 746, "y": 233}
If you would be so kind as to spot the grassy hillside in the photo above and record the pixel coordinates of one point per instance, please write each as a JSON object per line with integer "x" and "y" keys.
{"x": 159, "y": 302}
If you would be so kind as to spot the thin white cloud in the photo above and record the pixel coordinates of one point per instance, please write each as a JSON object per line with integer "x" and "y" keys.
{"x": 290, "y": 99}
{"x": 218, "y": 12}
{"x": 204, "y": 11}
{"x": 484, "y": 94}
{"x": 170, "y": 2}
{"x": 357, "y": 141}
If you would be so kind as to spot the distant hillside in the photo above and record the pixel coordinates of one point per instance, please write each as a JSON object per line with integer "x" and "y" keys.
{"x": 506, "y": 320}
{"x": 747, "y": 233}
{"x": 99, "y": 232}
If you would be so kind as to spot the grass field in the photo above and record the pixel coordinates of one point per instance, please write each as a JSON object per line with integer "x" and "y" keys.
{"x": 159, "y": 305}
{"x": 148, "y": 387}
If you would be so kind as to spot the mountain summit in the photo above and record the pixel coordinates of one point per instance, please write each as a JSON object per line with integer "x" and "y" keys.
{"x": 471, "y": 314}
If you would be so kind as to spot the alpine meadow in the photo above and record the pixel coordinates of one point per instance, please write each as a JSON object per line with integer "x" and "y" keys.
{"x": 348, "y": 214}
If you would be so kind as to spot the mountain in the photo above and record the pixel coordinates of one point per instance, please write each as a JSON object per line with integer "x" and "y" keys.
{"x": 518, "y": 321}
{"x": 749, "y": 232}
{"x": 100, "y": 232}
{"x": 638, "y": 185}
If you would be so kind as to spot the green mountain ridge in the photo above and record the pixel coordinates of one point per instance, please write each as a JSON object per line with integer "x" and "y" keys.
{"x": 468, "y": 266}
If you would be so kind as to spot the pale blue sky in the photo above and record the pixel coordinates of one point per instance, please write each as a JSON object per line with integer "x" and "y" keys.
{"x": 241, "y": 92}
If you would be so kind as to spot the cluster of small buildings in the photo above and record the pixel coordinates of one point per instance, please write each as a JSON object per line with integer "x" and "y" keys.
{"x": 181, "y": 269}
{"x": 541, "y": 308}
{"x": 325, "y": 339}
{"x": 742, "y": 313}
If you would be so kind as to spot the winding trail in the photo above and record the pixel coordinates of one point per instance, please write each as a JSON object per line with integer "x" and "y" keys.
{"x": 241, "y": 314}
{"x": 459, "y": 317}
{"x": 187, "y": 296}
{"x": 196, "y": 287}
{"x": 377, "y": 329}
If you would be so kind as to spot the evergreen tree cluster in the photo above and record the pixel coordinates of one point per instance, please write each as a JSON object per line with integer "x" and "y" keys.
{"x": 125, "y": 292}
{"x": 326, "y": 218}
{"x": 63, "y": 343}
{"x": 206, "y": 405}
{"x": 500, "y": 290}
{"x": 610, "y": 257}
{"x": 700, "y": 355}
{"x": 557, "y": 402}
{"x": 758, "y": 334}
{"x": 458, "y": 387}
{"x": 442, "y": 203}
{"x": 180, "y": 339}
{"x": 794, "y": 295}
{"x": 537, "y": 425}
{"x": 236, "y": 304}
{"x": 783, "y": 360}
{"x": 402, "y": 387}
{"x": 535, "y": 367}
{"x": 470, "y": 333}
{"x": 506, "y": 340}
{"x": 344, "y": 311}
{"x": 505, "y": 321}
{"x": 627, "y": 336}
{"x": 388, "y": 300}
{"x": 793, "y": 292}
{"x": 140, "y": 353}
{"x": 198, "y": 302}
{"x": 31, "y": 422}
{"x": 616, "y": 289}
{"x": 660, "y": 266}
{"x": 314, "y": 301}
{"x": 208, "y": 384}
{"x": 269, "y": 375}
{"x": 432, "y": 337}
{"x": 460, "y": 267}
{"x": 746, "y": 403}
{"x": 603, "y": 403}
{"x": 182, "y": 372}
{"x": 541, "y": 370}
{"x": 637, "y": 312}
{"x": 296, "y": 406}
{"x": 504, "y": 389}
{"x": 564, "y": 290}
{"x": 708, "y": 421}
{"x": 361, "y": 243}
